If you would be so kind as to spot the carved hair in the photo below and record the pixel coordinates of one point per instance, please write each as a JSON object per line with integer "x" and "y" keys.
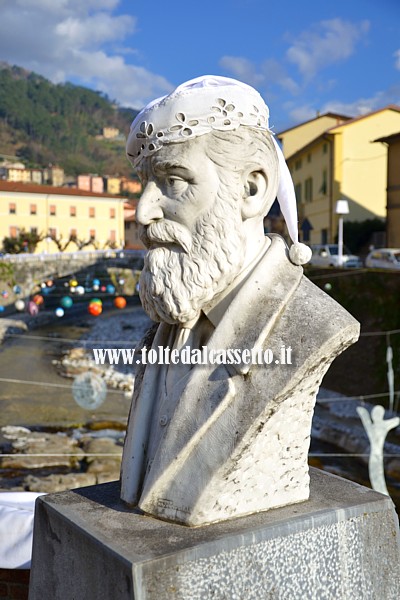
{"x": 250, "y": 150}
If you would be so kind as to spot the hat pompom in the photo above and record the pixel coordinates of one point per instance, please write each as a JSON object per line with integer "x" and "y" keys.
{"x": 300, "y": 254}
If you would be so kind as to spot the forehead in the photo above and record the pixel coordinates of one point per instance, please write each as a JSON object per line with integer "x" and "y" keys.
{"x": 190, "y": 154}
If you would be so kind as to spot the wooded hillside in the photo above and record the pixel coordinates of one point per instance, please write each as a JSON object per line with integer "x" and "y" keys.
{"x": 43, "y": 123}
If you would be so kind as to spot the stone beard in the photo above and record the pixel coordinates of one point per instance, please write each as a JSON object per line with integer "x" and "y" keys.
{"x": 176, "y": 282}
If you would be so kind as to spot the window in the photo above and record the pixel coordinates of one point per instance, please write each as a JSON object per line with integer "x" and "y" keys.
{"x": 297, "y": 164}
{"x": 324, "y": 236}
{"x": 308, "y": 193}
{"x": 12, "y": 209}
{"x": 13, "y": 231}
{"x": 53, "y": 210}
{"x": 324, "y": 185}
{"x": 33, "y": 209}
{"x": 73, "y": 234}
{"x": 112, "y": 213}
{"x": 325, "y": 148}
{"x": 113, "y": 235}
{"x": 297, "y": 190}
{"x": 53, "y": 232}
{"x": 34, "y": 230}
{"x": 72, "y": 211}
{"x": 92, "y": 212}
{"x": 92, "y": 234}
{"x": 309, "y": 158}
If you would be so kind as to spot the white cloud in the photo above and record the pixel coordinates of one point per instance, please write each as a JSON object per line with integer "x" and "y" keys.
{"x": 356, "y": 108}
{"x": 71, "y": 40}
{"x": 269, "y": 74}
{"x": 299, "y": 114}
{"x": 325, "y": 43}
{"x": 241, "y": 68}
{"x": 397, "y": 56}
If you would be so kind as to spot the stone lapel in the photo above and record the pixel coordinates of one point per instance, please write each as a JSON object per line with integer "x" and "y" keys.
{"x": 207, "y": 464}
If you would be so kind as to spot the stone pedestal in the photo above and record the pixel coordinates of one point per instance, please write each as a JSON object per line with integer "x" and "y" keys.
{"x": 343, "y": 544}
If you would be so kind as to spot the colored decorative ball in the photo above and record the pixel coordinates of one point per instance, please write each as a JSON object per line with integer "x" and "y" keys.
{"x": 95, "y": 309}
{"x": 2, "y": 309}
{"x": 16, "y": 289}
{"x": 19, "y": 305}
{"x": 96, "y": 301}
{"x": 96, "y": 287}
{"x": 49, "y": 283}
{"x": 119, "y": 302}
{"x": 121, "y": 281}
{"x": 110, "y": 289}
{"x": 4, "y": 294}
{"x": 73, "y": 283}
{"x": 59, "y": 312}
{"x": 66, "y": 302}
{"x": 33, "y": 308}
{"x": 43, "y": 285}
{"x": 38, "y": 299}
{"x": 80, "y": 290}
{"x": 96, "y": 281}
{"x": 328, "y": 287}
{"x": 103, "y": 288}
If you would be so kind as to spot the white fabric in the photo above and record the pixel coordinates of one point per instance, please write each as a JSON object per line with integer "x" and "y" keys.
{"x": 200, "y": 106}
{"x": 16, "y": 529}
{"x": 194, "y": 109}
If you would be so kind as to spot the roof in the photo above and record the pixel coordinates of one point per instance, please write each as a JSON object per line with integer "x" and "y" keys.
{"x": 394, "y": 137}
{"x": 33, "y": 188}
{"x": 394, "y": 107}
{"x": 326, "y": 135}
{"x": 328, "y": 114}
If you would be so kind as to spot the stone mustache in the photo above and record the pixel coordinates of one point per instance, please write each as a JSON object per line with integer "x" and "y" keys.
{"x": 212, "y": 442}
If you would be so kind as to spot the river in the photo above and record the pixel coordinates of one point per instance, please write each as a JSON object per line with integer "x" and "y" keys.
{"x": 32, "y": 393}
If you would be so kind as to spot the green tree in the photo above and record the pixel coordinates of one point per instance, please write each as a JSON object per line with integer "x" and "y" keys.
{"x": 26, "y": 241}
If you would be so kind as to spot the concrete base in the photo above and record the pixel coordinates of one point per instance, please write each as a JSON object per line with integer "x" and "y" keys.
{"x": 343, "y": 544}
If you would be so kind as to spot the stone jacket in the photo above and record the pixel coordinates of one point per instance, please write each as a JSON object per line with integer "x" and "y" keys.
{"x": 237, "y": 438}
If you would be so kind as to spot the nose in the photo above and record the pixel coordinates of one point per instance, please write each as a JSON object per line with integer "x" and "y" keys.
{"x": 149, "y": 207}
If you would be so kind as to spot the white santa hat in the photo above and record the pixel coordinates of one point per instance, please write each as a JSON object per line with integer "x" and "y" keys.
{"x": 200, "y": 106}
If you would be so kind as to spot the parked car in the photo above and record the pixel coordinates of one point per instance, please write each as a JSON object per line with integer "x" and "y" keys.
{"x": 327, "y": 255}
{"x": 384, "y": 258}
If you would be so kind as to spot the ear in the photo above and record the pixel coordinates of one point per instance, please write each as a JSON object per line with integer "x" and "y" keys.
{"x": 255, "y": 191}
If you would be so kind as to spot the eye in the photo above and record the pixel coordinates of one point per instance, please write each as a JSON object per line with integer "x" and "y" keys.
{"x": 176, "y": 184}
{"x": 171, "y": 181}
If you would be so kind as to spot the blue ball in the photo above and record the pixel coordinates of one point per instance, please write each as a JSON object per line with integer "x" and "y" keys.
{"x": 110, "y": 289}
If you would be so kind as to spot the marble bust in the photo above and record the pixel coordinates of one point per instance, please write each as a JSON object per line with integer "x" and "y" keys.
{"x": 214, "y": 441}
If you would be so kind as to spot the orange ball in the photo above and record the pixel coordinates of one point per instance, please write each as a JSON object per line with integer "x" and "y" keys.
{"x": 119, "y": 302}
{"x": 38, "y": 299}
{"x": 95, "y": 309}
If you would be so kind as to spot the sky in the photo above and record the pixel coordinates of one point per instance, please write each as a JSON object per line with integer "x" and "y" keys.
{"x": 303, "y": 57}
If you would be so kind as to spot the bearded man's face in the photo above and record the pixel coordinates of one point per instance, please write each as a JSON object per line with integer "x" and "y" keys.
{"x": 191, "y": 223}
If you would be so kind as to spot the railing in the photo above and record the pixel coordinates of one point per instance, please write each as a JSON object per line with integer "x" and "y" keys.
{"x": 68, "y": 256}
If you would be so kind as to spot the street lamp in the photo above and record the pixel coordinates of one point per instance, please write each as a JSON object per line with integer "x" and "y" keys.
{"x": 342, "y": 208}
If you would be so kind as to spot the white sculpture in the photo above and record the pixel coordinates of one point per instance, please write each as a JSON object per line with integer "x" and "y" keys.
{"x": 216, "y": 441}
{"x": 377, "y": 429}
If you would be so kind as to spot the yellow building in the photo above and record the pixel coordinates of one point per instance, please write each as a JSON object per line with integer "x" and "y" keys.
{"x": 19, "y": 174}
{"x": 339, "y": 162}
{"x": 61, "y": 214}
{"x": 393, "y": 189}
{"x": 113, "y": 185}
